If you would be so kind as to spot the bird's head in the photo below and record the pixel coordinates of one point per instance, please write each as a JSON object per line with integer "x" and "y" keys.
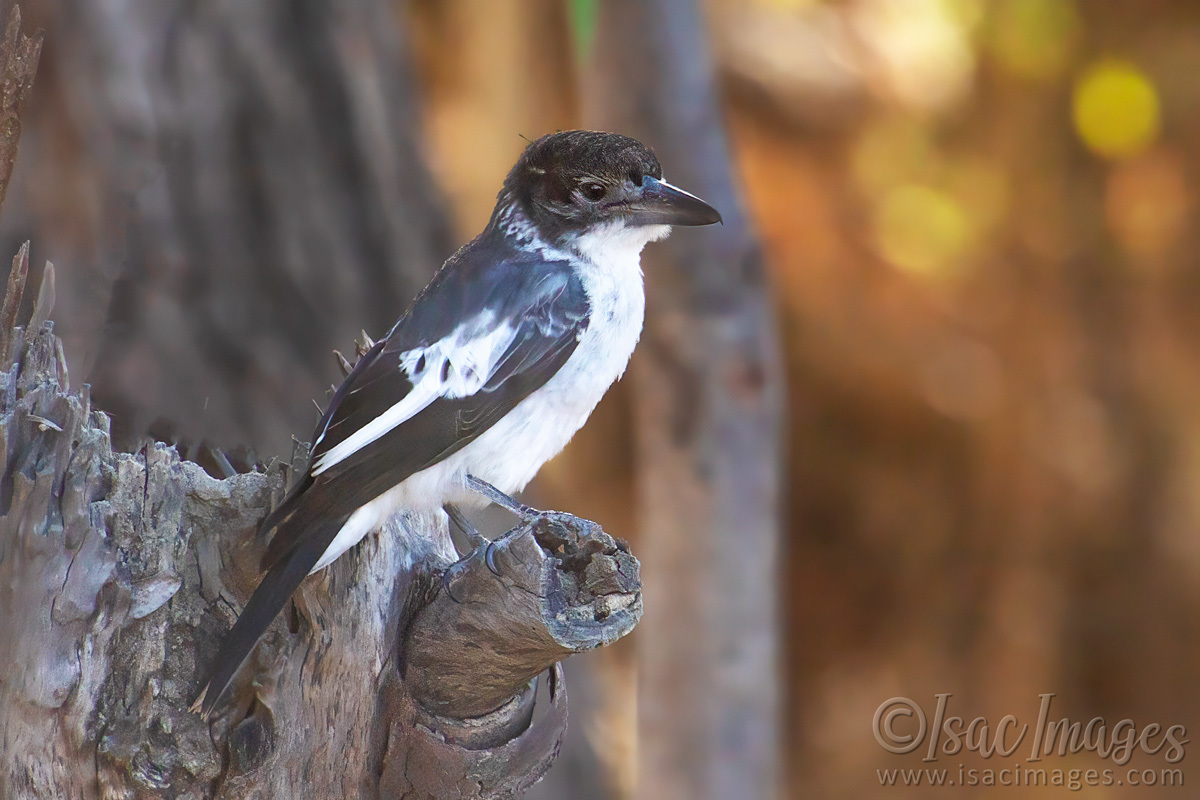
{"x": 572, "y": 183}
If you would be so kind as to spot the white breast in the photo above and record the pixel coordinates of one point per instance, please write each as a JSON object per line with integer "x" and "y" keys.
{"x": 510, "y": 453}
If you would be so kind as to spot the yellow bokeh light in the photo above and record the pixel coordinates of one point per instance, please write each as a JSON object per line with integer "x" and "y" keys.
{"x": 789, "y": 6}
{"x": 1034, "y": 39}
{"x": 891, "y": 151}
{"x": 922, "y": 230}
{"x": 967, "y": 14}
{"x": 920, "y": 50}
{"x": 1115, "y": 109}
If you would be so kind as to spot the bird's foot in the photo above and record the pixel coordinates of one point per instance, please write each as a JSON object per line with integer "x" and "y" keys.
{"x": 450, "y": 573}
{"x": 526, "y": 513}
{"x": 475, "y": 541}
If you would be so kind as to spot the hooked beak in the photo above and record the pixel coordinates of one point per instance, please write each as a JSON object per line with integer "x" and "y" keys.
{"x": 660, "y": 203}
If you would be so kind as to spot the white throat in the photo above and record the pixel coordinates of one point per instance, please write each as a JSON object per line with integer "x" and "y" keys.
{"x": 608, "y": 261}
{"x": 617, "y": 246}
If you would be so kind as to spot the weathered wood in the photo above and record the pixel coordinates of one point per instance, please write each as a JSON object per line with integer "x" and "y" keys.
{"x": 13, "y": 294}
{"x": 433, "y": 757}
{"x": 45, "y": 299}
{"x": 563, "y": 585}
{"x": 708, "y": 425}
{"x": 119, "y": 572}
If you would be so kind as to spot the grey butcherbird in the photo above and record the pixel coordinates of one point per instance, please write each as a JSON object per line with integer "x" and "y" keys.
{"x": 496, "y": 365}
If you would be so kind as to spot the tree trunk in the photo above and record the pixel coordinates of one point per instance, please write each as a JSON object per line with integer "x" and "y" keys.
{"x": 708, "y": 383}
{"x": 235, "y": 188}
{"x": 395, "y": 673}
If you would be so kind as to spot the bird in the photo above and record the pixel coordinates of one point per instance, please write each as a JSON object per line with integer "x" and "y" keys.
{"x": 493, "y": 368}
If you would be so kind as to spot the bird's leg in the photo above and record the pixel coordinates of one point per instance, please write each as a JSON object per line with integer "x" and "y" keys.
{"x": 474, "y": 537}
{"x": 501, "y": 499}
{"x": 524, "y": 512}
{"x": 475, "y": 540}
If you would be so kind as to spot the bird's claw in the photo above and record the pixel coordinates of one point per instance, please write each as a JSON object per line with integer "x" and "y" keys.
{"x": 474, "y": 538}
{"x": 448, "y": 575}
{"x": 458, "y": 567}
{"x": 489, "y": 559}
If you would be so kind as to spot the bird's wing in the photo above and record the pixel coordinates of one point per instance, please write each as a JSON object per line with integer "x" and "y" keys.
{"x": 479, "y": 340}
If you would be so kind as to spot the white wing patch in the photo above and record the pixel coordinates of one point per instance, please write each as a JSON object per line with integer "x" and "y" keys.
{"x": 454, "y": 367}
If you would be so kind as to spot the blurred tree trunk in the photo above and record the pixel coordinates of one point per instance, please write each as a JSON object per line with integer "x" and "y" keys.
{"x": 708, "y": 392}
{"x": 242, "y": 186}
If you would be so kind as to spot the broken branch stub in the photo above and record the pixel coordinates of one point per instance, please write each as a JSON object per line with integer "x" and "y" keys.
{"x": 554, "y": 586}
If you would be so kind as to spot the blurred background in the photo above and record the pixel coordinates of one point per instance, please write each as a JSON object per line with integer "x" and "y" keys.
{"x": 977, "y": 405}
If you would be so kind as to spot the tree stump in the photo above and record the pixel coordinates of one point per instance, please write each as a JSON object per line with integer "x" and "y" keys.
{"x": 399, "y": 671}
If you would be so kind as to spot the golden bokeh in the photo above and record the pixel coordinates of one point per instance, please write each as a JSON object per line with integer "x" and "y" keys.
{"x": 922, "y": 230}
{"x": 1116, "y": 109}
{"x": 1034, "y": 39}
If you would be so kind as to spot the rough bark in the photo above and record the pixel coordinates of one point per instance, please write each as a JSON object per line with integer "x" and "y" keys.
{"x": 120, "y": 571}
{"x": 709, "y": 390}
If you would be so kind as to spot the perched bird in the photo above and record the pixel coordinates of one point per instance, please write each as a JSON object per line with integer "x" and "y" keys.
{"x": 496, "y": 365}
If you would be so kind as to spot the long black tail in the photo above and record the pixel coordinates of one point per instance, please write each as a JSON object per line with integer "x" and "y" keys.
{"x": 266, "y": 602}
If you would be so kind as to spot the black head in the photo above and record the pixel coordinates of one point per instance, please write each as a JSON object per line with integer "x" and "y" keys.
{"x": 568, "y": 182}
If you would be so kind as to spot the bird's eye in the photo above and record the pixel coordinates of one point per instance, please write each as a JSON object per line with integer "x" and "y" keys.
{"x": 636, "y": 178}
{"x": 593, "y": 191}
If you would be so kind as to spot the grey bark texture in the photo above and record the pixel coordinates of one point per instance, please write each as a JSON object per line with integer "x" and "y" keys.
{"x": 709, "y": 386}
{"x": 385, "y": 678}
{"x": 238, "y": 187}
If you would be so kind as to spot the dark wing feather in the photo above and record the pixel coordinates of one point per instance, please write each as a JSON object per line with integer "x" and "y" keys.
{"x": 265, "y": 604}
{"x": 371, "y": 364}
